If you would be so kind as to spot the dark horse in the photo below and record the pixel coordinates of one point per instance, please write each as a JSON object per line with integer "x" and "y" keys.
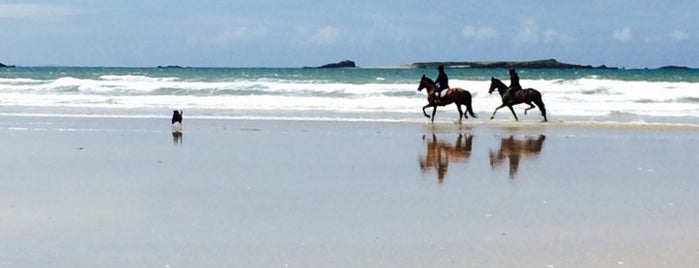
{"x": 527, "y": 96}
{"x": 455, "y": 95}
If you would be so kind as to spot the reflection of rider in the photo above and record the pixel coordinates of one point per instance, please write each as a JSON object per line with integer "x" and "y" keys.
{"x": 514, "y": 149}
{"x": 514, "y": 84}
{"x": 439, "y": 154}
{"x": 442, "y": 83}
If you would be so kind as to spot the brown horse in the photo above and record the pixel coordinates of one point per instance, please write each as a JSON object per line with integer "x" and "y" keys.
{"x": 527, "y": 96}
{"x": 454, "y": 95}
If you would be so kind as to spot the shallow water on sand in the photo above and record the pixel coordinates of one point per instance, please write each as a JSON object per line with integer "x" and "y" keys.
{"x": 125, "y": 192}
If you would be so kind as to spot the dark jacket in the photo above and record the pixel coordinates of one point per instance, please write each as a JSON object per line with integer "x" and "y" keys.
{"x": 514, "y": 80}
{"x": 442, "y": 81}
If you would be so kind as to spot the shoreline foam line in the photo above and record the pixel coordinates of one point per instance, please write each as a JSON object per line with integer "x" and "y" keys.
{"x": 439, "y": 123}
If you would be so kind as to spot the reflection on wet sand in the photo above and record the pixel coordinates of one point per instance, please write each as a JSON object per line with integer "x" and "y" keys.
{"x": 439, "y": 153}
{"x": 514, "y": 149}
{"x": 177, "y": 137}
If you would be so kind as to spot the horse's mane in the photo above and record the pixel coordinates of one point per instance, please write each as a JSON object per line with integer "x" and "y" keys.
{"x": 428, "y": 79}
{"x": 498, "y": 82}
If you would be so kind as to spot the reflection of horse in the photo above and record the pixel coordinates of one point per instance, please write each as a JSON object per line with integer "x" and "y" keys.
{"x": 527, "y": 96}
{"x": 440, "y": 153}
{"x": 514, "y": 149}
{"x": 455, "y": 95}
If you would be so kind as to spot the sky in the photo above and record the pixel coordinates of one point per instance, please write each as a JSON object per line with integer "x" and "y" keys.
{"x": 297, "y": 33}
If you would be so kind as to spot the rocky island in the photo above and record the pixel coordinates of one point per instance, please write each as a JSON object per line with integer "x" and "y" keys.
{"x": 535, "y": 64}
{"x": 170, "y": 67}
{"x": 674, "y": 67}
{"x": 6, "y": 66}
{"x": 342, "y": 64}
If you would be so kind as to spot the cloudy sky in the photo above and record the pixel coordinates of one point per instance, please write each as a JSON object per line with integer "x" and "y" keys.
{"x": 295, "y": 33}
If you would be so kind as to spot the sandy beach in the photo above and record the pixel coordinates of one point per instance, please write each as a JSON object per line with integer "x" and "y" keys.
{"x": 116, "y": 192}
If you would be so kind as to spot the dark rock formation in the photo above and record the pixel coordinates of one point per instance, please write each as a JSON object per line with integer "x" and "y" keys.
{"x": 342, "y": 64}
{"x": 6, "y": 66}
{"x": 673, "y": 67}
{"x": 535, "y": 64}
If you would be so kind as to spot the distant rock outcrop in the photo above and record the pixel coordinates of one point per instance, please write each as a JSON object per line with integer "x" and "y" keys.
{"x": 342, "y": 64}
{"x": 170, "y": 67}
{"x": 674, "y": 67}
{"x": 6, "y": 66}
{"x": 535, "y": 64}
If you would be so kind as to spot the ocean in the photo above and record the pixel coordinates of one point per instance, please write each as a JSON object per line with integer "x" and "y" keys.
{"x": 664, "y": 96}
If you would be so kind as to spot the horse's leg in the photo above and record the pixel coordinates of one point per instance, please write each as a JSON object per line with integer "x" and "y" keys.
{"x": 513, "y": 112}
{"x": 434, "y": 111}
{"x": 461, "y": 113}
{"x": 496, "y": 110}
{"x": 423, "y": 110}
{"x": 531, "y": 106}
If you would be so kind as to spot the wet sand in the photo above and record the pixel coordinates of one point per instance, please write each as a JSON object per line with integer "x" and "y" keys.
{"x": 97, "y": 192}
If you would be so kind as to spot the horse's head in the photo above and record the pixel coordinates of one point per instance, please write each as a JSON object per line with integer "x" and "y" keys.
{"x": 496, "y": 84}
{"x": 425, "y": 83}
{"x": 492, "y": 85}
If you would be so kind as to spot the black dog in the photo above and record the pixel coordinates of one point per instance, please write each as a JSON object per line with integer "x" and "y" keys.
{"x": 177, "y": 116}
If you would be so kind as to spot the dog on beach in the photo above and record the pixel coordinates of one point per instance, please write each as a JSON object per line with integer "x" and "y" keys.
{"x": 176, "y": 121}
{"x": 177, "y": 116}
{"x": 176, "y": 126}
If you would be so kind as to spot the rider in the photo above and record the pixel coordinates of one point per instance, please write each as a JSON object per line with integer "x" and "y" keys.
{"x": 514, "y": 84}
{"x": 442, "y": 83}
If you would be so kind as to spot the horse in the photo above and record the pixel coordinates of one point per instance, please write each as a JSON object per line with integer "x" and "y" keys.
{"x": 454, "y": 95}
{"x": 527, "y": 96}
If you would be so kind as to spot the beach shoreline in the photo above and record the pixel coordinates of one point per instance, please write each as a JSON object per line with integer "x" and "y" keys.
{"x": 444, "y": 120}
{"x": 115, "y": 192}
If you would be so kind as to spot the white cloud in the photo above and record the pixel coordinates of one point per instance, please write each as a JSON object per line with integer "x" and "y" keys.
{"x": 326, "y": 35}
{"x": 317, "y": 35}
{"x": 38, "y": 12}
{"x": 623, "y": 34}
{"x": 226, "y": 37}
{"x": 679, "y": 35}
{"x": 529, "y": 32}
{"x": 551, "y": 35}
{"x": 479, "y": 33}
{"x": 387, "y": 28}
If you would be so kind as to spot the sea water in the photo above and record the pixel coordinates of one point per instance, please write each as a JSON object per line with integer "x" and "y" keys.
{"x": 356, "y": 94}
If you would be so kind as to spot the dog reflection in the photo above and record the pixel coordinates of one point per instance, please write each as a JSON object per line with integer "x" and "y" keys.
{"x": 439, "y": 153}
{"x": 514, "y": 149}
{"x": 177, "y": 137}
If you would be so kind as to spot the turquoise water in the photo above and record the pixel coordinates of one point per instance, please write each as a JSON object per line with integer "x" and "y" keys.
{"x": 358, "y": 75}
{"x": 340, "y": 94}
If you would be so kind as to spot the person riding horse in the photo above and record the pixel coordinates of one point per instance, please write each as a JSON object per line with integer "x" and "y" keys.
{"x": 514, "y": 84}
{"x": 458, "y": 96}
{"x": 442, "y": 83}
{"x": 529, "y": 96}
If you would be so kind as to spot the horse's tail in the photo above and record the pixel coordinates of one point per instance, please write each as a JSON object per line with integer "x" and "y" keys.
{"x": 540, "y": 102}
{"x": 469, "y": 107}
